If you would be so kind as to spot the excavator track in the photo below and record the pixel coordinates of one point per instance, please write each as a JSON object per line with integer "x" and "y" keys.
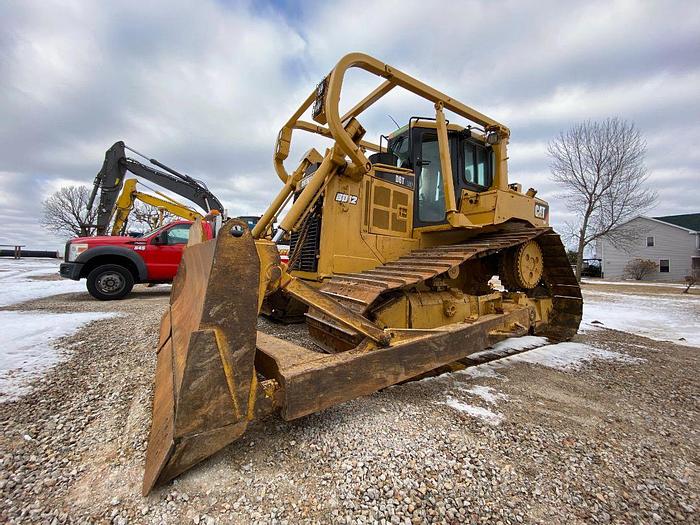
{"x": 362, "y": 290}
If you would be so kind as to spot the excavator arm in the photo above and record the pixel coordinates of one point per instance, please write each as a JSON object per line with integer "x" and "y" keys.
{"x": 110, "y": 180}
{"x": 129, "y": 195}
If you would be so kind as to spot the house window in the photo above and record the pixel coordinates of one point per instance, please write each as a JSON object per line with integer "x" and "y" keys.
{"x": 664, "y": 265}
{"x": 650, "y": 241}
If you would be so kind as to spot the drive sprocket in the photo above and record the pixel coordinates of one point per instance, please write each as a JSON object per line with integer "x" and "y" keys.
{"x": 522, "y": 266}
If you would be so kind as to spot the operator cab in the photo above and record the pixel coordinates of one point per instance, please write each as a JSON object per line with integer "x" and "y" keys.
{"x": 416, "y": 147}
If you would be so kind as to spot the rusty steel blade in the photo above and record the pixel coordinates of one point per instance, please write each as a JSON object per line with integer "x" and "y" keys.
{"x": 205, "y": 371}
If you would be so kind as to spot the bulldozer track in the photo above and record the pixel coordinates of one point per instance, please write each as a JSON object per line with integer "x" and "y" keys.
{"x": 360, "y": 291}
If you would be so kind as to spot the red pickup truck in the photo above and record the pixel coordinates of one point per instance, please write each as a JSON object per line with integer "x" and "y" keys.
{"x": 113, "y": 264}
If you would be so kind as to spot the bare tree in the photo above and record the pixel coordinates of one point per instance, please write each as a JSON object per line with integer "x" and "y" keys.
{"x": 144, "y": 217}
{"x": 638, "y": 269}
{"x": 601, "y": 167}
{"x": 65, "y": 212}
{"x": 147, "y": 218}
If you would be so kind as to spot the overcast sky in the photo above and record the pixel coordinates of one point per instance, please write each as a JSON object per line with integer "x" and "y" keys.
{"x": 204, "y": 86}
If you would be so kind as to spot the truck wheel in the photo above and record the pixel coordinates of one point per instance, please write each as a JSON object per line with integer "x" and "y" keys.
{"x": 109, "y": 281}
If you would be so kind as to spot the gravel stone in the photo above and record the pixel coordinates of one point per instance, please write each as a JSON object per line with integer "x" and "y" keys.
{"x": 613, "y": 442}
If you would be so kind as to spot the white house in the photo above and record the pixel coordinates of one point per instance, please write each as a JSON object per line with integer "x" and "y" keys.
{"x": 672, "y": 242}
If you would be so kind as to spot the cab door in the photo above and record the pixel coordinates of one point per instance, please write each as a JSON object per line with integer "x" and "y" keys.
{"x": 430, "y": 191}
{"x": 164, "y": 251}
{"x": 472, "y": 169}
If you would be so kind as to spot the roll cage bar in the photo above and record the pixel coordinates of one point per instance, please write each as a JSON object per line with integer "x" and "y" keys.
{"x": 345, "y": 129}
{"x": 327, "y": 95}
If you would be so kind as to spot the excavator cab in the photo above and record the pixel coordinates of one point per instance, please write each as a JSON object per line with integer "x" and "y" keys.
{"x": 390, "y": 260}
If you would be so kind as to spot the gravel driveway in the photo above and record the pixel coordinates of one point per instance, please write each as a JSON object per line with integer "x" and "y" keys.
{"x": 611, "y": 440}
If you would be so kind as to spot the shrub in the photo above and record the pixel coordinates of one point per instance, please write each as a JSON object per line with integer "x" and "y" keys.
{"x": 691, "y": 280}
{"x": 638, "y": 269}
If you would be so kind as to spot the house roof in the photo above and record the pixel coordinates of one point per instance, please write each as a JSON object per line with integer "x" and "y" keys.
{"x": 689, "y": 221}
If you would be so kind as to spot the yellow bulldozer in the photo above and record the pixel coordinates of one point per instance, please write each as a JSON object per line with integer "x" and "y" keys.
{"x": 390, "y": 259}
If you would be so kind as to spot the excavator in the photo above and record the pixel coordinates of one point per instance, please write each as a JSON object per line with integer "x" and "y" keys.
{"x": 110, "y": 180}
{"x": 391, "y": 253}
{"x": 129, "y": 195}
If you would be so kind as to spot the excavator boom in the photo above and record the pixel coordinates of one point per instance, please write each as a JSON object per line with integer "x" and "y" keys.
{"x": 110, "y": 180}
{"x": 129, "y": 195}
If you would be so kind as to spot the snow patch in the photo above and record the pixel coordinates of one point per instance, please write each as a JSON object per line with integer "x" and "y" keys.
{"x": 495, "y": 283}
{"x": 19, "y": 292}
{"x": 27, "y": 350}
{"x": 635, "y": 283}
{"x": 536, "y": 350}
{"x": 567, "y": 356}
{"x": 39, "y": 266}
{"x": 519, "y": 343}
{"x": 663, "y": 318}
{"x": 488, "y": 394}
{"x": 490, "y": 417}
{"x": 484, "y": 370}
{"x": 533, "y": 350}
{"x": 18, "y": 287}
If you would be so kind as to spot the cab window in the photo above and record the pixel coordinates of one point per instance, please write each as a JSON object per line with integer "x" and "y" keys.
{"x": 477, "y": 165}
{"x": 431, "y": 196}
{"x": 178, "y": 234}
{"x": 399, "y": 147}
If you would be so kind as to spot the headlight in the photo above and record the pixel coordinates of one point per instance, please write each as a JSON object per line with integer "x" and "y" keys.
{"x": 74, "y": 250}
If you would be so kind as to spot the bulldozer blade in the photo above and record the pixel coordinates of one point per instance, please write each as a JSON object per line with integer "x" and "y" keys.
{"x": 205, "y": 382}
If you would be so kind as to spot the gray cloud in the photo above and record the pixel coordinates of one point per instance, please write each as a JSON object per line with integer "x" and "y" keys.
{"x": 204, "y": 86}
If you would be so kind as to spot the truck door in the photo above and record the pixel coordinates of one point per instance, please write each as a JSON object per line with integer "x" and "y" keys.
{"x": 164, "y": 251}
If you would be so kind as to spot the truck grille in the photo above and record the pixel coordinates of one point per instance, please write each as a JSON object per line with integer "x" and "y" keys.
{"x": 307, "y": 258}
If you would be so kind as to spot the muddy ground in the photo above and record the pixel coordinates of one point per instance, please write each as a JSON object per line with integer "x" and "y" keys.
{"x": 612, "y": 441}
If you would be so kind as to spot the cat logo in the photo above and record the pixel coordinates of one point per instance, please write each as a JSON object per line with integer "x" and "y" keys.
{"x": 540, "y": 211}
